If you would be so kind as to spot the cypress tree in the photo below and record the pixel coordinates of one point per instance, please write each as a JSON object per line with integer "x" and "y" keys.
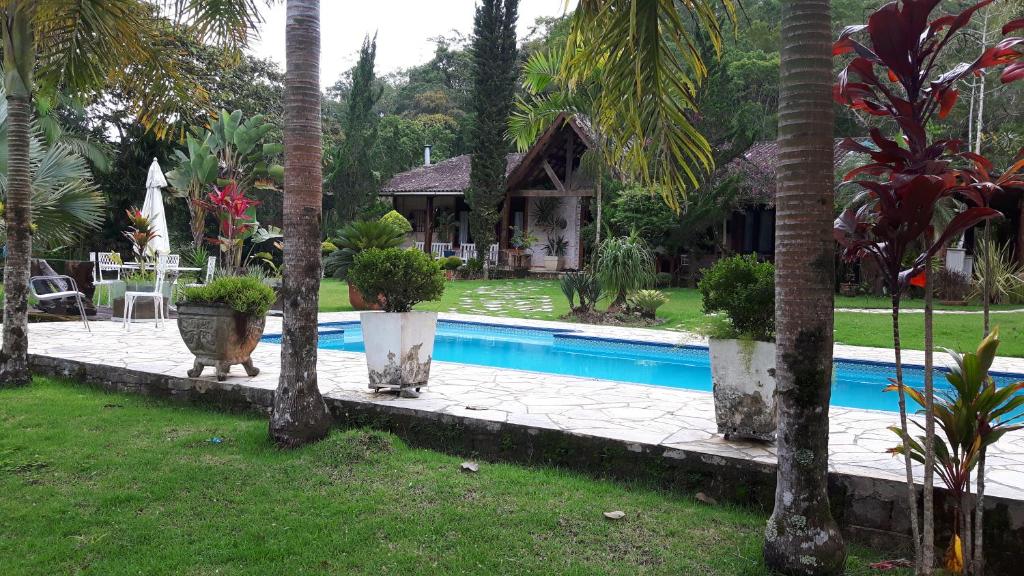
{"x": 494, "y": 56}
{"x": 353, "y": 180}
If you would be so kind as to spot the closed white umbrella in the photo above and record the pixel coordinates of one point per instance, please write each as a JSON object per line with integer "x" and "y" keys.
{"x": 153, "y": 209}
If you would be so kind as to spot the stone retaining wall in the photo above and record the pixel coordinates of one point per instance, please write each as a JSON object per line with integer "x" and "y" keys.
{"x": 871, "y": 511}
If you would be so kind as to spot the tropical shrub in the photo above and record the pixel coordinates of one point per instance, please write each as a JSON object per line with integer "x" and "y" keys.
{"x": 236, "y": 220}
{"x": 140, "y": 233}
{"x": 195, "y": 257}
{"x": 397, "y": 221}
{"x": 584, "y": 285}
{"x": 475, "y": 265}
{"x": 663, "y": 280}
{"x": 451, "y": 263}
{"x": 624, "y": 264}
{"x": 399, "y": 279}
{"x": 356, "y": 237}
{"x": 971, "y": 416}
{"x": 647, "y": 302}
{"x": 327, "y": 247}
{"x": 743, "y": 289}
{"x": 244, "y": 294}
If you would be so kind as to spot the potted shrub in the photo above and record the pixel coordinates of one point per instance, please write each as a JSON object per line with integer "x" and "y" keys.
{"x": 554, "y": 253}
{"x": 742, "y": 345}
{"x": 399, "y": 343}
{"x": 519, "y": 255}
{"x": 222, "y": 322}
{"x": 355, "y": 238}
{"x": 549, "y": 219}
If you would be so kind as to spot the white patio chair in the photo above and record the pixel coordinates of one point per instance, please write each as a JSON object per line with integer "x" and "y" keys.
{"x": 211, "y": 267}
{"x": 60, "y": 287}
{"x": 418, "y": 245}
{"x": 492, "y": 254}
{"x": 157, "y": 296}
{"x": 104, "y": 262}
{"x": 467, "y": 252}
{"x": 438, "y": 249}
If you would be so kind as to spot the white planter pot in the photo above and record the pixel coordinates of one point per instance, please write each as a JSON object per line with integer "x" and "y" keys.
{"x": 399, "y": 347}
{"x": 743, "y": 375}
{"x": 552, "y": 263}
{"x": 955, "y": 259}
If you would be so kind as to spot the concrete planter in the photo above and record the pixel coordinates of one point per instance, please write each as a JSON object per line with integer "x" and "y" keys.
{"x": 743, "y": 375}
{"x": 553, "y": 263}
{"x": 399, "y": 347}
{"x": 219, "y": 336}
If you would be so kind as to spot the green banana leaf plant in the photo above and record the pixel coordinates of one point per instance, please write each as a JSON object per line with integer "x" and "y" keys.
{"x": 971, "y": 416}
{"x": 229, "y": 150}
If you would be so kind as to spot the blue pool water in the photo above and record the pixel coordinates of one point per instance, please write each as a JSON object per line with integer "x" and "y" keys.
{"x": 855, "y": 384}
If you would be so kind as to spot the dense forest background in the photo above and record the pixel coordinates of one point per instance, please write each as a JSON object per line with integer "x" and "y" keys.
{"x": 375, "y": 125}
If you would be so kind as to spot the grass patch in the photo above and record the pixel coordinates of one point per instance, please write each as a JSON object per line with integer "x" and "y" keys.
{"x": 111, "y": 484}
{"x": 683, "y": 311}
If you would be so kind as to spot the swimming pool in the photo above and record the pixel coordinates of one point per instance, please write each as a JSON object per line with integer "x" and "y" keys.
{"x": 856, "y": 384}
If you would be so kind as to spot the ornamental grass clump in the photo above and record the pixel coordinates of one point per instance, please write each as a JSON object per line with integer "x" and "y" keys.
{"x": 398, "y": 279}
{"x": 744, "y": 290}
{"x": 244, "y": 294}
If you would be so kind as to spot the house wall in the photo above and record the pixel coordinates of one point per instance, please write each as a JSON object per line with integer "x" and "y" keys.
{"x": 570, "y": 210}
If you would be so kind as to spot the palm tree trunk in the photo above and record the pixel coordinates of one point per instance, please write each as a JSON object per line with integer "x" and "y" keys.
{"x": 597, "y": 227}
{"x": 915, "y": 529}
{"x": 18, "y": 214}
{"x": 18, "y": 63}
{"x": 928, "y": 519}
{"x": 299, "y": 413}
{"x": 801, "y": 536}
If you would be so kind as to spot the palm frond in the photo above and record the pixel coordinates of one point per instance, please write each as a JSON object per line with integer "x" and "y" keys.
{"x": 651, "y": 68}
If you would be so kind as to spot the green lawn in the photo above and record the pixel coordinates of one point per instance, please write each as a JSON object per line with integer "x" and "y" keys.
{"x": 112, "y": 484}
{"x": 683, "y": 312}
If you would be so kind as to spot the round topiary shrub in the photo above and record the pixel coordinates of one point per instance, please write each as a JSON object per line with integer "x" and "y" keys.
{"x": 397, "y": 221}
{"x": 451, "y": 263}
{"x": 398, "y": 279}
{"x": 743, "y": 289}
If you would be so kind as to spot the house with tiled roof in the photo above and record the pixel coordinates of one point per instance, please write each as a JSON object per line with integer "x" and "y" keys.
{"x": 432, "y": 197}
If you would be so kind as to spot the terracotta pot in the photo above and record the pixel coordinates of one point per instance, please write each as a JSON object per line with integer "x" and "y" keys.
{"x": 219, "y": 336}
{"x": 355, "y": 298}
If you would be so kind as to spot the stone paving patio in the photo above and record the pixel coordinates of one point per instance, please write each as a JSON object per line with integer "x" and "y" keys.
{"x": 673, "y": 418}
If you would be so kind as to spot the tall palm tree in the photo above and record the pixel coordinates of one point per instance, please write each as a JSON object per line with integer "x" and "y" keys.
{"x": 801, "y": 536}
{"x": 78, "y": 48}
{"x": 299, "y": 414}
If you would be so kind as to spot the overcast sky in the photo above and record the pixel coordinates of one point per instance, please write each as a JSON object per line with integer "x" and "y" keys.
{"x": 404, "y": 29}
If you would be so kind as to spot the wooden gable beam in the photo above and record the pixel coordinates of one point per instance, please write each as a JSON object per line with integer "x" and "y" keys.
{"x": 570, "y": 148}
{"x": 551, "y": 174}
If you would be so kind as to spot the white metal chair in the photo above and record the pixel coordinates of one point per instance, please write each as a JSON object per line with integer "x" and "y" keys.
{"x": 157, "y": 296}
{"x": 59, "y": 287}
{"x": 104, "y": 262}
{"x": 438, "y": 249}
{"x": 211, "y": 267}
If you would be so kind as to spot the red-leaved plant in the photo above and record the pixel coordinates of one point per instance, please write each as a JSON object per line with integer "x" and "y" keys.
{"x": 895, "y": 74}
{"x": 236, "y": 222}
{"x": 140, "y": 233}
